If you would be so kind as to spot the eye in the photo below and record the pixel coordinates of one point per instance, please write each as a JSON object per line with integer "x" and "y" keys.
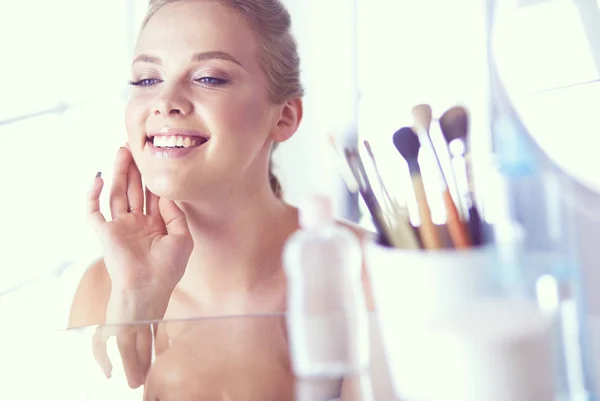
{"x": 146, "y": 82}
{"x": 212, "y": 81}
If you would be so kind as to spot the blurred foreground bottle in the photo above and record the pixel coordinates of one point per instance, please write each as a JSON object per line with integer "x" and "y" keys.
{"x": 326, "y": 312}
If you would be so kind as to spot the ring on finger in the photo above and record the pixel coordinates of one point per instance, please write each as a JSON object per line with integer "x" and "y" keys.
{"x": 132, "y": 208}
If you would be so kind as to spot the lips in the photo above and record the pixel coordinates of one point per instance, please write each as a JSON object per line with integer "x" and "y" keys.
{"x": 175, "y": 142}
{"x": 171, "y": 138}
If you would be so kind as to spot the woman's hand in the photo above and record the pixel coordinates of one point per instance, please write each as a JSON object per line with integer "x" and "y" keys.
{"x": 146, "y": 251}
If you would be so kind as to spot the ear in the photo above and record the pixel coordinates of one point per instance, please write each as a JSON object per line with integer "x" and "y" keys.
{"x": 289, "y": 120}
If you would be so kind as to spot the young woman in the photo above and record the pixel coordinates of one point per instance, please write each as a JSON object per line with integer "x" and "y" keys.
{"x": 215, "y": 87}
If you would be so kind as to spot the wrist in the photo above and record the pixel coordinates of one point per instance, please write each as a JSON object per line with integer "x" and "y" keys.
{"x": 127, "y": 305}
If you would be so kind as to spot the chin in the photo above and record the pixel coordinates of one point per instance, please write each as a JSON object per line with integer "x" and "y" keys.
{"x": 182, "y": 188}
{"x": 171, "y": 188}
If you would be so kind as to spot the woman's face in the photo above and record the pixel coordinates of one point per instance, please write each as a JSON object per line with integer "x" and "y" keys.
{"x": 198, "y": 118}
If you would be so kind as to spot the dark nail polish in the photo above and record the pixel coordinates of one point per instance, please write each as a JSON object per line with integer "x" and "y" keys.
{"x": 98, "y": 174}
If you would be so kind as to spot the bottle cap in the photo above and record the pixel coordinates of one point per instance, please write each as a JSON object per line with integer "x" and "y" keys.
{"x": 315, "y": 211}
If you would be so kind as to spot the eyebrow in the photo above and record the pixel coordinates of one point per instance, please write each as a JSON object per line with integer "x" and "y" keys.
{"x": 203, "y": 56}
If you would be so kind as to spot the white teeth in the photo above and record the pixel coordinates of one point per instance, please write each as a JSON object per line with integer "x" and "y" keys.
{"x": 163, "y": 141}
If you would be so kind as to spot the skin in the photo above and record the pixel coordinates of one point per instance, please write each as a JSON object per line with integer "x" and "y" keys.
{"x": 206, "y": 232}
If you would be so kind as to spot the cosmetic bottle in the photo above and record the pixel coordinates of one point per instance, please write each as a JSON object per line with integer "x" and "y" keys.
{"x": 326, "y": 312}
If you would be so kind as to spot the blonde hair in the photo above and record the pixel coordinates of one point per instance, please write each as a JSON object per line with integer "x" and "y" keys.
{"x": 278, "y": 57}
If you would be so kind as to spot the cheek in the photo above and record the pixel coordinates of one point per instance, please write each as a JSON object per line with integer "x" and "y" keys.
{"x": 244, "y": 119}
{"x": 136, "y": 112}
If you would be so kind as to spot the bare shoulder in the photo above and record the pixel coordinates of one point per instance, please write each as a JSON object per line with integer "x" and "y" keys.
{"x": 91, "y": 297}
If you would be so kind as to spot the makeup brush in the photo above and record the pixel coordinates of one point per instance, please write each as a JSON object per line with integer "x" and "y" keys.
{"x": 422, "y": 115}
{"x": 342, "y": 166}
{"x": 366, "y": 192}
{"x": 384, "y": 191}
{"x": 402, "y": 232}
{"x": 454, "y": 124}
{"x": 407, "y": 143}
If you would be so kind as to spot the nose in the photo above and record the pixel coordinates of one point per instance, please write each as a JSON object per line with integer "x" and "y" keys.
{"x": 172, "y": 101}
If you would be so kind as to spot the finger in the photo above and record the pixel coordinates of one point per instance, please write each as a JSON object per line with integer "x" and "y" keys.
{"x": 135, "y": 191}
{"x": 100, "y": 352}
{"x": 126, "y": 341}
{"x": 173, "y": 217}
{"x": 118, "y": 193}
{"x": 144, "y": 350}
{"x": 95, "y": 217}
{"x": 151, "y": 203}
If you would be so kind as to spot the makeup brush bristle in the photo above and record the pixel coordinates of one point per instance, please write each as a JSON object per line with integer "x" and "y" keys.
{"x": 454, "y": 124}
{"x": 407, "y": 143}
{"x": 422, "y": 115}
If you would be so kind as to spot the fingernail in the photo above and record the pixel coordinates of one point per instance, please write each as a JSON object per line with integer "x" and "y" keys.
{"x": 98, "y": 174}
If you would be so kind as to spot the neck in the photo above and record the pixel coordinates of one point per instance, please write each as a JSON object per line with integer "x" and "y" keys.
{"x": 238, "y": 242}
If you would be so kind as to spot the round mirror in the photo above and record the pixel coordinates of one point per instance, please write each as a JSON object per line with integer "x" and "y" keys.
{"x": 548, "y": 56}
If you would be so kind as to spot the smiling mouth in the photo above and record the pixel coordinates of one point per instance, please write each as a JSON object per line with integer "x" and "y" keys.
{"x": 176, "y": 141}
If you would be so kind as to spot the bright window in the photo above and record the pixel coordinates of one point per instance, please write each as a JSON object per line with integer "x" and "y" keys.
{"x": 62, "y": 55}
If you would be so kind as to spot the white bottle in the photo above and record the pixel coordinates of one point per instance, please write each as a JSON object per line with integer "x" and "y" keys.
{"x": 326, "y": 312}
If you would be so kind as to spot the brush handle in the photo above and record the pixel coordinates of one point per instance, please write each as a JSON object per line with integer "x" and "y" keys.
{"x": 456, "y": 228}
{"x": 428, "y": 231}
{"x": 475, "y": 225}
{"x": 376, "y": 215}
{"x": 404, "y": 237}
{"x": 366, "y": 192}
{"x": 469, "y": 171}
{"x": 402, "y": 234}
